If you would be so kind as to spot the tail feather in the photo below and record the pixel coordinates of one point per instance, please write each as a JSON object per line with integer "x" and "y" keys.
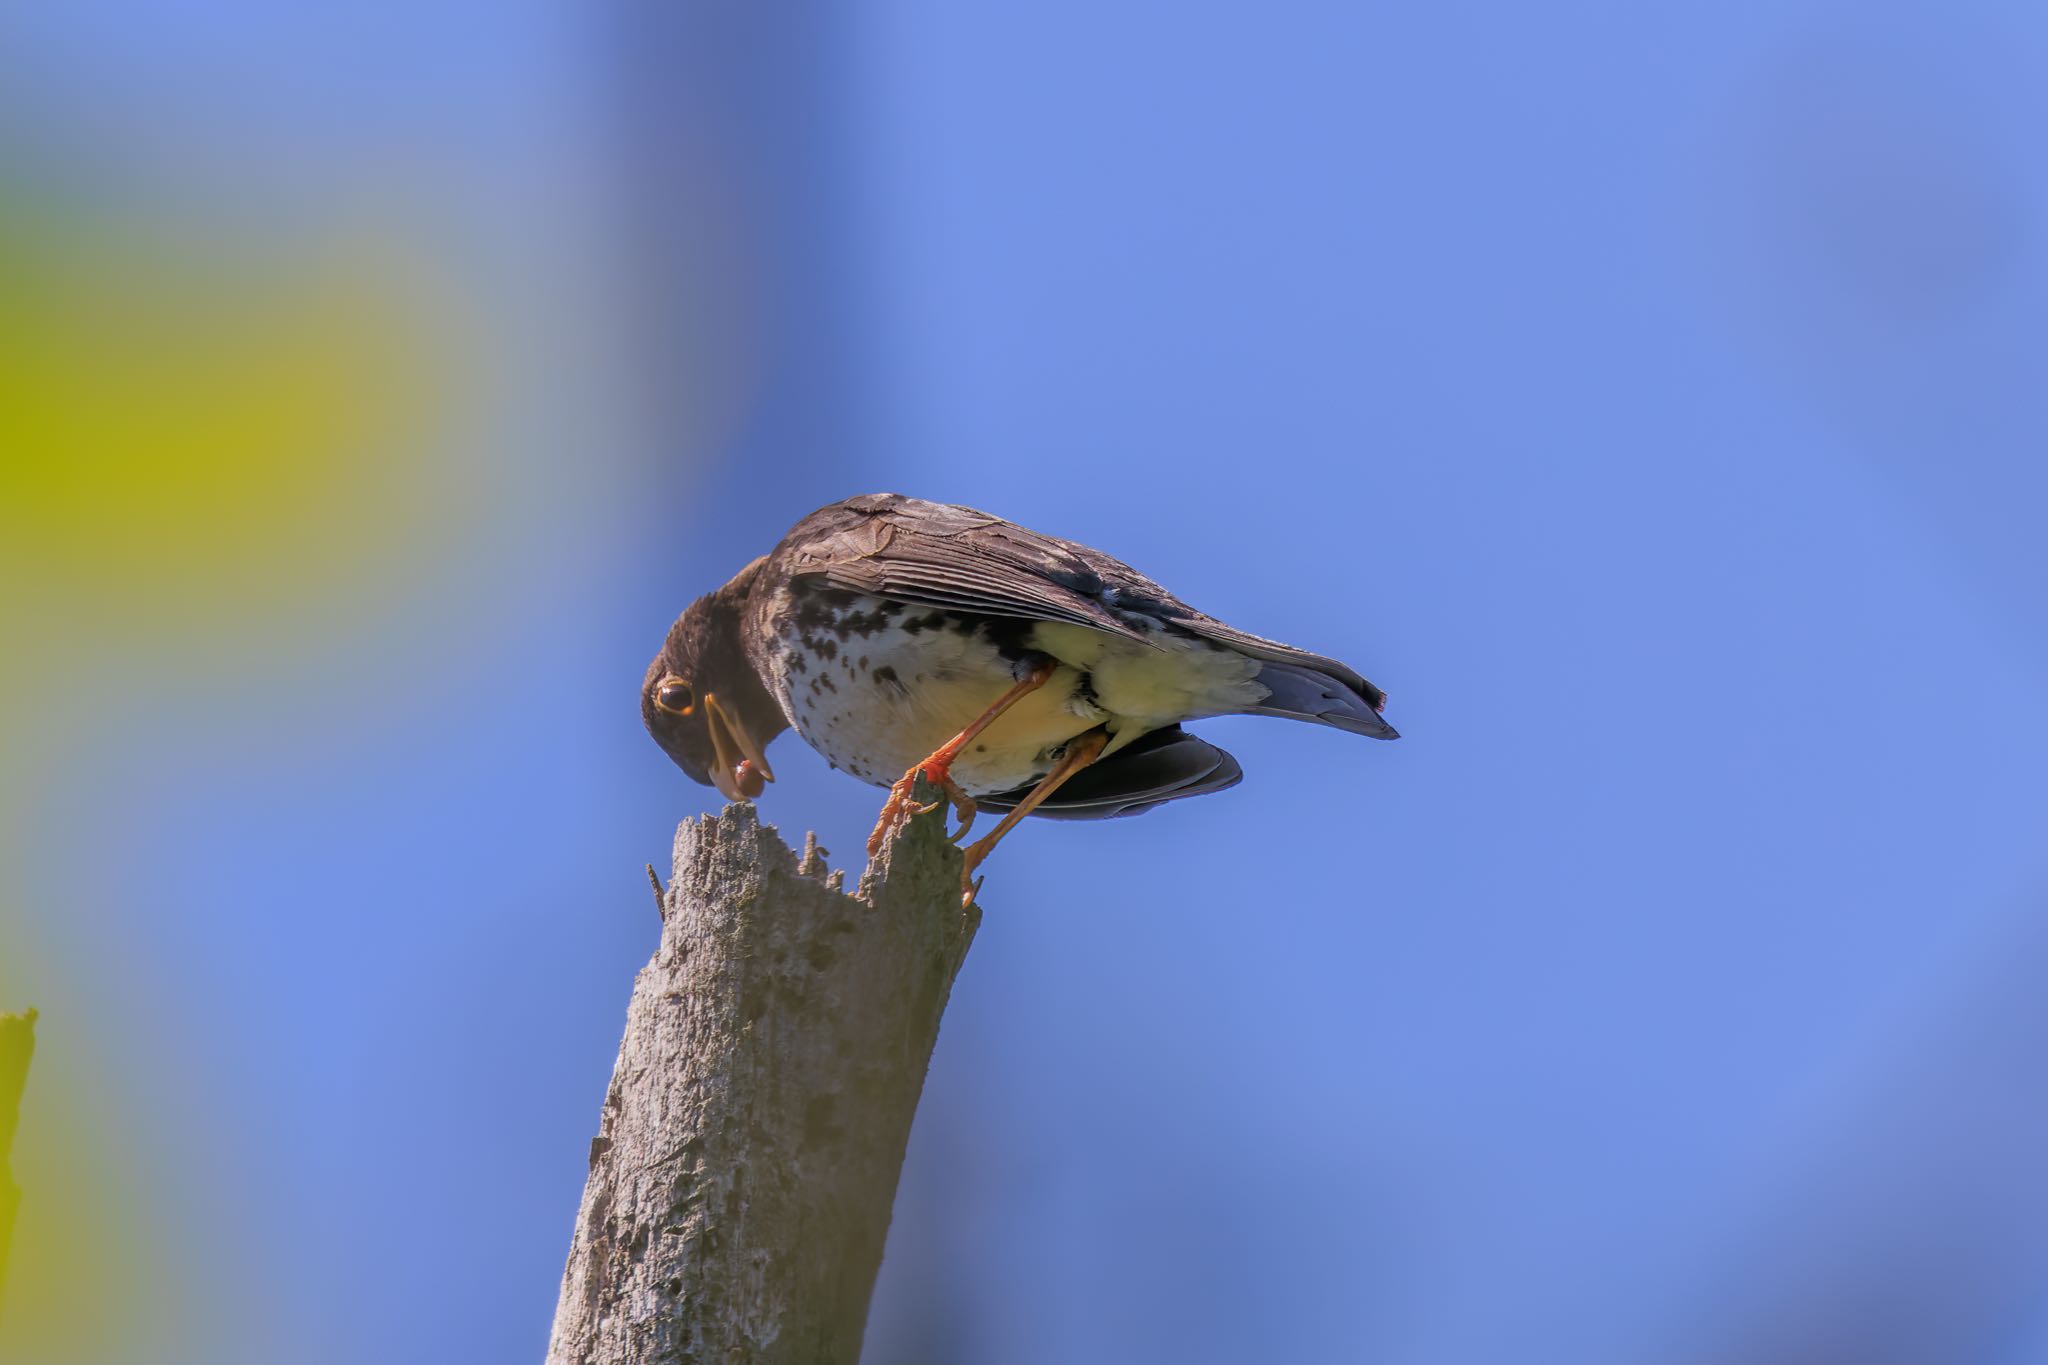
{"x": 1299, "y": 692}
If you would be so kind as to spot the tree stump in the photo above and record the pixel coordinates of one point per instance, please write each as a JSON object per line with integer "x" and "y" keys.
{"x": 749, "y": 1146}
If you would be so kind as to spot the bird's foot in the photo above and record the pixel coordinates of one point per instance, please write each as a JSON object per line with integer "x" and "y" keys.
{"x": 1078, "y": 754}
{"x": 964, "y": 810}
{"x": 970, "y": 885}
{"x": 901, "y": 808}
{"x": 896, "y": 812}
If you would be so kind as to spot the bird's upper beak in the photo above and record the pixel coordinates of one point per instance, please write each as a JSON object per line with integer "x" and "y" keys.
{"x": 741, "y": 769}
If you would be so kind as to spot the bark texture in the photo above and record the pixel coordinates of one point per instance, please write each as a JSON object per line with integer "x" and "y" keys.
{"x": 775, "y": 1048}
{"x": 17, "y": 1046}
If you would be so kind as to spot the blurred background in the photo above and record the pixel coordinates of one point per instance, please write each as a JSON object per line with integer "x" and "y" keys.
{"x": 1651, "y": 398}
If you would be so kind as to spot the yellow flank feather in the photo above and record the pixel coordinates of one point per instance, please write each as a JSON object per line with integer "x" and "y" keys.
{"x": 1146, "y": 686}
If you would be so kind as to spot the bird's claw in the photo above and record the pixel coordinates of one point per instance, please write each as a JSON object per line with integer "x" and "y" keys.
{"x": 964, "y": 810}
{"x": 899, "y": 810}
{"x": 896, "y": 812}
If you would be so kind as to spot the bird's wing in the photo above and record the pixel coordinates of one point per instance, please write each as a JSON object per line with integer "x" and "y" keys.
{"x": 1164, "y": 765}
{"x": 934, "y": 554}
{"x": 937, "y": 555}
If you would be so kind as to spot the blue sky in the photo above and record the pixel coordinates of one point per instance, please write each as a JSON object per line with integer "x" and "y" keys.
{"x": 1649, "y": 399}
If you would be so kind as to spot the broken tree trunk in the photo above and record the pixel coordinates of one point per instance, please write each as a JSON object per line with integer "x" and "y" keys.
{"x": 748, "y": 1150}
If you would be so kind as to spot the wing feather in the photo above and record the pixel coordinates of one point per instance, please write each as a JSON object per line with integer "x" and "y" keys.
{"x": 1164, "y": 765}
{"x": 936, "y": 555}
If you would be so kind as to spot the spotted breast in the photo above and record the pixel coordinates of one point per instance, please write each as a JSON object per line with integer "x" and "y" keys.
{"x": 875, "y": 684}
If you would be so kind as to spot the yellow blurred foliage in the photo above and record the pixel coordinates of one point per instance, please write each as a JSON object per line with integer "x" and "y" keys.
{"x": 98, "y": 1275}
{"x": 193, "y": 436}
{"x": 198, "y": 451}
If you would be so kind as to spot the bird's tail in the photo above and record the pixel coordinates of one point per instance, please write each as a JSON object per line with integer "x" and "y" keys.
{"x": 1299, "y": 692}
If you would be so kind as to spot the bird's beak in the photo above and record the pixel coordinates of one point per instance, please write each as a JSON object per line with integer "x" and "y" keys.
{"x": 742, "y": 769}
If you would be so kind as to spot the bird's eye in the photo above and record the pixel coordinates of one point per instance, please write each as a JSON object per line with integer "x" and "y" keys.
{"x": 674, "y": 695}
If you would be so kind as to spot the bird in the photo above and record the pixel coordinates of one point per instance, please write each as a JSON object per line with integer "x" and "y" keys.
{"x": 1014, "y": 671}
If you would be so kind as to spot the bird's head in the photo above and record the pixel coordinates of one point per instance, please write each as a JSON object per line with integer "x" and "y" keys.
{"x": 703, "y": 702}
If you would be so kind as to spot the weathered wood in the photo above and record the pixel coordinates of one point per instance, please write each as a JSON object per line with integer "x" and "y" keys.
{"x": 748, "y": 1151}
{"x": 17, "y": 1046}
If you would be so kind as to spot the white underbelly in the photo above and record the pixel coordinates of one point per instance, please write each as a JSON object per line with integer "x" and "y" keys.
{"x": 888, "y": 700}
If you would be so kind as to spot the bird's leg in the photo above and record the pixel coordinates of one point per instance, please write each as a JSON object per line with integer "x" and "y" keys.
{"x": 937, "y": 768}
{"x": 1081, "y": 751}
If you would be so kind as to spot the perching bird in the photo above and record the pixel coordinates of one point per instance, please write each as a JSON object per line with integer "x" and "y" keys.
{"x": 1018, "y": 672}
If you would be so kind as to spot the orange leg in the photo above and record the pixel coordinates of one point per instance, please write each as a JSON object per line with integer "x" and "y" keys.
{"x": 1081, "y": 751}
{"x": 937, "y": 769}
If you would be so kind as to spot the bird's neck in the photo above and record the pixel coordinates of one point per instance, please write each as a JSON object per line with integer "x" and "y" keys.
{"x": 744, "y": 688}
{"x": 757, "y": 707}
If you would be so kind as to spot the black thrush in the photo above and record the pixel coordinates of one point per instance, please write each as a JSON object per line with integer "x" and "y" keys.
{"x": 1015, "y": 671}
